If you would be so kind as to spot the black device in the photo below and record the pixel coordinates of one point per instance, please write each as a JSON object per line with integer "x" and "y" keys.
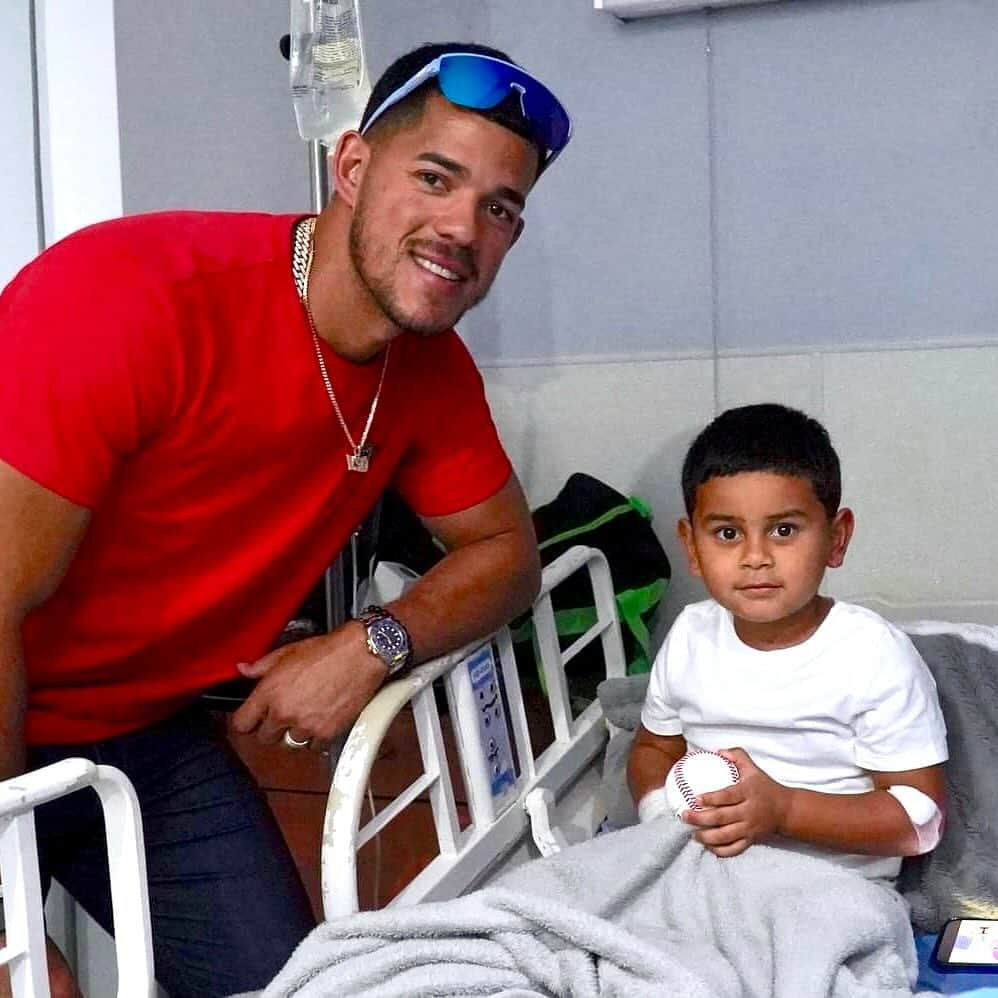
{"x": 967, "y": 944}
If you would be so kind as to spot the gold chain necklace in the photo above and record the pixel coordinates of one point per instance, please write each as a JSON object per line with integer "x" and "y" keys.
{"x": 301, "y": 267}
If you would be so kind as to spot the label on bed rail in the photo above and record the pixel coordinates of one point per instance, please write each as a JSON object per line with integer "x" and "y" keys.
{"x": 492, "y": 727}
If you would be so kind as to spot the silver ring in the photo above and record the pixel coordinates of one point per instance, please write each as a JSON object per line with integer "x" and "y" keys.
{"x": 292, "y": 743}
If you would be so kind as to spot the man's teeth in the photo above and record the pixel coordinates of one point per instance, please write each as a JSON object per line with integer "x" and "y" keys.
{"x": 435, "y": 268}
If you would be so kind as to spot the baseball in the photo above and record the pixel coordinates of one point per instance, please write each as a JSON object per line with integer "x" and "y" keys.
{"x": 697, "y": 772}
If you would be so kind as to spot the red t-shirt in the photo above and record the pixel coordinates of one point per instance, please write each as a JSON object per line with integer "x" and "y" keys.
{"x": 160, "y": 371}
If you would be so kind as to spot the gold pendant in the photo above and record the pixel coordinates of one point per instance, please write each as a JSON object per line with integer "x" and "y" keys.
{"x": 360, "y": 459}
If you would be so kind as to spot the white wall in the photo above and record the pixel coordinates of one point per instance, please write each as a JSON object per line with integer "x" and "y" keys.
{"x": 19, "y": 237}
{"x": 78, "y": 114}
{"x": 914, "y": 429}
{"x": 59, "y": 161}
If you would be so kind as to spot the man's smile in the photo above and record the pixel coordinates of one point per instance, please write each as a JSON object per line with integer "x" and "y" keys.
{"x": 436, "y": 268}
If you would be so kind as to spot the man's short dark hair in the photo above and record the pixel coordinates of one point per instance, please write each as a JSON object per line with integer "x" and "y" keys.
{"x": 766, "y": 437}
{"x": 409, "y": 110}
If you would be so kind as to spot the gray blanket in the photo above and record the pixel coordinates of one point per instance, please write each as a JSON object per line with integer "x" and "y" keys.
{"x": 640, "y": 912}
{"x": 960, "y": 877}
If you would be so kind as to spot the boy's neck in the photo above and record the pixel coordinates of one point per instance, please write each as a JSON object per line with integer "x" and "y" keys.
{"x": 786, "y": 632}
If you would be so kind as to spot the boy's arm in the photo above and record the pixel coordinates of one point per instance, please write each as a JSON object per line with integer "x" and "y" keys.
{"x": 652, "y": 756}
{"x": 872, "y": 823}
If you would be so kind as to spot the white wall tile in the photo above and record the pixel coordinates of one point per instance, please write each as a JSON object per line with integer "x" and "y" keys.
{"x": 627, "y": 424}
{"x": 791, "y": 379}
{"x": 916, "y": 432}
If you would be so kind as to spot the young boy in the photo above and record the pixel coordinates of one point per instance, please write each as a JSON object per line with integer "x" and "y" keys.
{"x": 840, "y": 740}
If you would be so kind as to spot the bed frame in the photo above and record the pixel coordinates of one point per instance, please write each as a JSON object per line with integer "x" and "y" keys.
{"x": 511, "y": 789}
{"x": 24, "y": 952}
{"x": 535, "y": 795}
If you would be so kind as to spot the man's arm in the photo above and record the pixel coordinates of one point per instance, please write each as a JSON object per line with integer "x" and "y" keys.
{"x": 39, "y": 533}
{"x": 315, "y": 688}
{"x": 872, "y": 823}
{"x": 492, "y": 572}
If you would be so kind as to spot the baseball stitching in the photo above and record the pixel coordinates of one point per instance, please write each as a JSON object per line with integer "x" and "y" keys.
{"x": 685, "y": 789}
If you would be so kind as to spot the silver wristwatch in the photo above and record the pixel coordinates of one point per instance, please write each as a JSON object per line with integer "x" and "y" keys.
{"x": 387, "y": 638}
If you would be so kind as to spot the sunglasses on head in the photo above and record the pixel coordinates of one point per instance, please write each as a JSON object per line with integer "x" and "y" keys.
{"x": 480, "y": 81}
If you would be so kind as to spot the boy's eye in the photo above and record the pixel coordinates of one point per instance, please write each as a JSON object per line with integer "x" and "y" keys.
{"x": 785, "y": 530}
{"x": 727, "y": 533}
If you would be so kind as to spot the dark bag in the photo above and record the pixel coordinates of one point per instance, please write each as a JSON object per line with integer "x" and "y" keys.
{"x": 590, "y": 512}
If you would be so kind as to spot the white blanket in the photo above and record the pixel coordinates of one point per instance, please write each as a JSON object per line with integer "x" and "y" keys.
{"x": 643, "y": 911}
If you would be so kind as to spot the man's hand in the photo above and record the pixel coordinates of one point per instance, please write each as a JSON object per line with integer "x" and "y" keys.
{"x": 313, "y": 688}
{"x": 750, "y": 811}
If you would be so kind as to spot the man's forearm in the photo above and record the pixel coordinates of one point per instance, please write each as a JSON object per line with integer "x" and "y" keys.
{"x": 872, "y": 823}
{"x": 13, "y": 698}
{"x": 469, "y": 594}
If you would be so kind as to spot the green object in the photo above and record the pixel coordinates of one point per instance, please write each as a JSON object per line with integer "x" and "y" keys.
{"x": 589, "y": 512}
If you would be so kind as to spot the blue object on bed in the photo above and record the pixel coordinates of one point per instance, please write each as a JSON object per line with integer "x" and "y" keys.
{"x": 954, "y": 983}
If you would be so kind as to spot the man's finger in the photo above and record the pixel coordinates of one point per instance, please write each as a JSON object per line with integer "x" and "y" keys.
{"x": 252, "y": 712}
{"x": 254, "y": 670}
{"x": 271, "y": 731}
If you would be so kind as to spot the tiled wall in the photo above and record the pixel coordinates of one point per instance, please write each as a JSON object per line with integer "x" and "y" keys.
{"x": 915, "y": 429}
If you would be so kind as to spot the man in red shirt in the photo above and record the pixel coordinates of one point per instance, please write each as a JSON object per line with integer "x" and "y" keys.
{"x": 196, "y": 411}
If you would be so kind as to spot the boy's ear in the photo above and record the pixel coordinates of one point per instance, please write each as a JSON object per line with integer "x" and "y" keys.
{"x": 843, "y": 524}
{"x": 685, "y": 530}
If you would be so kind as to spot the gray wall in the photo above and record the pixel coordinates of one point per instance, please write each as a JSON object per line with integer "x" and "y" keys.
{"x": 203, "y": 107}
{"x": 809, "y": 175}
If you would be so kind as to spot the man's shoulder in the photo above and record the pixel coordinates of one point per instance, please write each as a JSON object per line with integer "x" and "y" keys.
{"x": 172, "y": 245}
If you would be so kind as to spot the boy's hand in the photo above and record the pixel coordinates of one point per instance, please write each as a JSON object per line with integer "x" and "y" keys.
{"x": 749, "y": 811}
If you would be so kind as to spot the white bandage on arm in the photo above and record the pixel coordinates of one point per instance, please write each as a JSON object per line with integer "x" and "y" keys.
{"x": 923, "y": 813}
{"x": 653, "y": 805}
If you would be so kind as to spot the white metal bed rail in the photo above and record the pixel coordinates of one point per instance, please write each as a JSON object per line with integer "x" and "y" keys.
{"x": 24, "y": 951}
{"x": 498, "y": 821}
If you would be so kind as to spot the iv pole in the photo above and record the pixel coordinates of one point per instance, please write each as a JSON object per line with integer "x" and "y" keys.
{"x": 335, "y": 575}
{"x": 319, "y": 192}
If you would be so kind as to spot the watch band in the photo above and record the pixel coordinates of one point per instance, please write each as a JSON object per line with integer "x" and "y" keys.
{"x": 370, "y": 616}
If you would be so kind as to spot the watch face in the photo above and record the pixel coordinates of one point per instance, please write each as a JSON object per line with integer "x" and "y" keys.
{"x": 388, "y": 640}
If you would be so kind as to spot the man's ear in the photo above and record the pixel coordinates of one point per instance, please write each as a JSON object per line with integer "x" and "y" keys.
{"x": 843, "y": 524}
{"x": 685, "y": 531}
{"x": 347, "y": 163}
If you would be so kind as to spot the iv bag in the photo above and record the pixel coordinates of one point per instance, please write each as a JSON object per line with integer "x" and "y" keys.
{"x": 329, "y": 84}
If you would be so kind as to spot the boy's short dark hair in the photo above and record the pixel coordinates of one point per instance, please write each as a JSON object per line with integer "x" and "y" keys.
{"x": 766, "y": 437}
{"x": 509, "y": 113}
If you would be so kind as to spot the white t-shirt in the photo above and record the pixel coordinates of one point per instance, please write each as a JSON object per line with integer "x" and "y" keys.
{"x": 855, "y": 696}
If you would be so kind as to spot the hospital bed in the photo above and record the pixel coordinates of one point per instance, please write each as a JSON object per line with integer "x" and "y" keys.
{"x": 522, "y": 803}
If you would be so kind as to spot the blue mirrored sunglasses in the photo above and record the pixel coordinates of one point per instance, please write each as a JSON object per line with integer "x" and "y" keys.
{"x": 479, "y": 82}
